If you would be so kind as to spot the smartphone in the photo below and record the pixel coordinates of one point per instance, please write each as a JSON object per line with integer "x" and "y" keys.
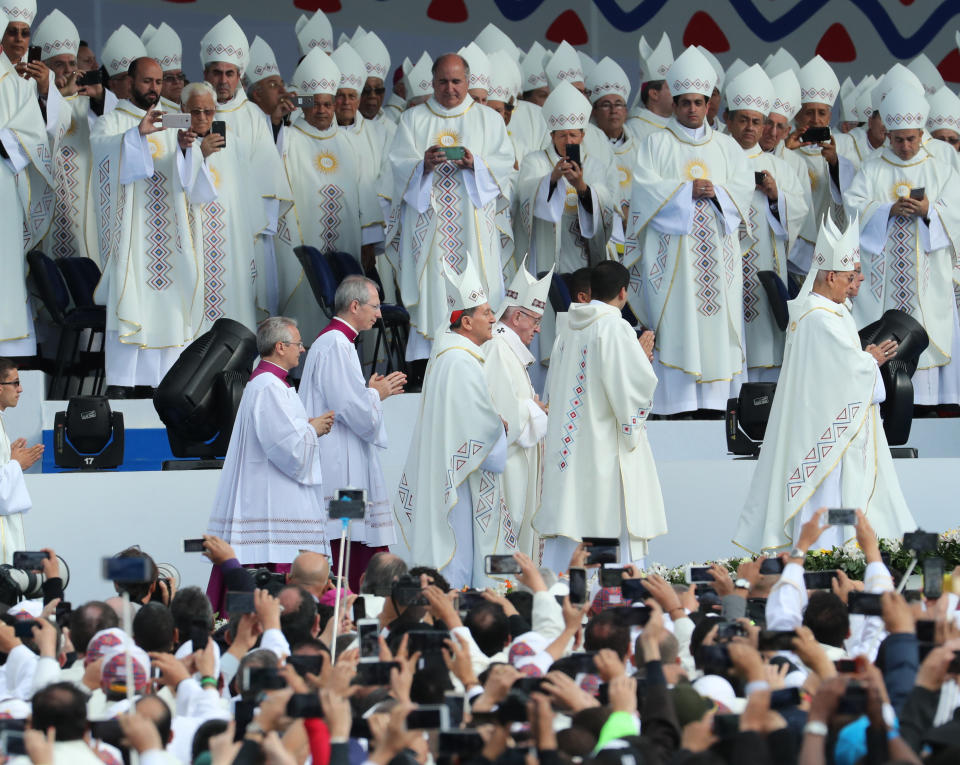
{"x": 611, "y": 577}
{"x": 842, "y": 516}
{"x": 359, "y": 609}
{"x": 193, "y": 545}
{"x": 240, "y": 602}
{"x": 428, "y": 717}
{"x": 771, "y": 566}
{"x": 528, "y": 685}
{"x": 728, "y": 630}
{"x": 815, "y": 135}
{"x": 453, "y": 152}
{"x": 349, "y": 503}
{"x": 757, "y": 611}
{"x": 243, "y": 714}
{"x": 127, "y": 569}
{"x": 257, "y": 679}
{"x": 917, "y": 193}
{"x": 220, "y": 128}
{"x": 199, "y": 636}
{"x": 368, "y": 634}
{"x": 715, "y": 659}
{"x": 633, "y": 589}
{"x": 469, "y": 599}
{"x": 306, "y": 663}
{"x": 759, "y": 177}
{"x": 305, "y": 705}
{"x": 408, "y": 592}
{"x": 459, "y": 742}
{"x": 11, "y": 742}
{"x": 578, "y": 586}
{"x": 426, "y": 641}
{"x": 303, "y": 102}
{"x": 29, "y": 561}
{"x": 63, "y": 612}
{"x": 455, "y": 704}
{"x": 106, "y": 730}
{"x": 602, "y": 554}
{"x": 33, "y": 53}
{"x": 23, "y": 628}
{"x": 175, "y": 120}
{"x": 776, "y": 640}
{"x": 726, "y": 726}
{"x": 581, "y": 663}
{"x": 819, "y": 580}
{"x": 501, "y": 564}
{"x": 93, "y": 77}
{"x": 854, "y": 700}
{"x": 866, "y": 603}
{"x": 374, "y": 672}
{"x": 926, "y": 630}
{"x": 572, "y": 152}
{"x": 920, "y": 541}
{"x": 631, "y": 616}
{"x": 699, "y": 574}
{"x": 846, "y": 666}
{"x": 785, "y": 698}
{"x": 933, "y": 577}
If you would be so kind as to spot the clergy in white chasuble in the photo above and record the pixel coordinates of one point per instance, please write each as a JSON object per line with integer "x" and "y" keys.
{"x": 225, "y": 213}
{"x": 446, "y": 208}
{"x": 691, "y": 191}
{"x": 653, "y": 104}
{"x": 825, "y": 444}
{"x": 599, "y": 477}
{"x": 152, "y": 283}
{"x": 908, "y": 206}
{"x": 450, "y": 506}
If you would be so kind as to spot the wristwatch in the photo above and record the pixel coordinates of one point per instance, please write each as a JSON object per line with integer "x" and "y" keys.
{"x": 742, "y": 584}
{"x": 816, "y": 728}
{"x": 796, "y": 552}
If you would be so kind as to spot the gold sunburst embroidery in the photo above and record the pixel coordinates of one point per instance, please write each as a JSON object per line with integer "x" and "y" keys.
{"x": 326, "y": 162}
{"x": 215, "y": 175}
{"x": 72, "y": 129}
{"x": 697, "y": 170}
{"x": 814, "y": 181}
{"x": 447, "y": 138}
{"x": 156, "y": 148}
{"x": 901, "y": 188}
{"x": 570, "y": 201}
{"x": 623, "y": 175}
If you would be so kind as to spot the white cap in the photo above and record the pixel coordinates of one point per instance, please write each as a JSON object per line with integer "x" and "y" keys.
{"x": 56, "y": 35}
{"x": 564, "y": 66}
{"x": 262, "y": 62}
{"x": 164, "y": 45}
{"x": 148, "y": 31}
{"x": 420, "y": 78}
{"x": 566, "y": 108}
{"x": 818, "y": 83}
{"x": 479, "y": 66}
{"x": 353, "y": 73}
{"x": 781, "y": 61}
{"x": 225, "y": 42}
{"x": 317, "y": 73}
{"x": 927, "y": 73}
{"x": 492, "y": 38}
{"x": 861, "y": 104}
{"x": 903, "y": 109}
{"x": 897, "y": 77}
{"x": 531, "y": 68}
{"x": 317, "y": 32}
{"x": 750, "y": 90}
{"x": 786, "y": 94}
{"x": 464, "y": 290}
{"x": 501, "y": 86}
{"x": 20, "y": 10}
{"x": 717, "y": 67}
{"x": 944, "y": 111}
{"x": 526, "y": 291}
{"x": 738, "y": 66}
{"x": 587, "y": 64}
{"x": 691, "y": 73}
{"x": 608, "y": 78}
{"x": 122, "y": 48}
{"x": 376, "y": 57}
{"x": 836, "y": 250}
{"x": 655, "y": 62}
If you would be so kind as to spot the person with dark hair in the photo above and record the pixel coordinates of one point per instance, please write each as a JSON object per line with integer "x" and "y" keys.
{"x": 596, "y": 450}
{"x": 382, "y": 571}
{"x": 190, "y": 607}
{"x": 153, "y": 629}
{"x": 656, "y": 103}
{"x": 140, "y": 592}
{"x": 605, "y": 631}
{"x": 63, "y": 707}
{"x": 434, "y": 577}
{"x": 827, "y": 617}
{"x": 298, "y": 621}
{"x": 488, "y": 625}
{"x": 84, "y": 622}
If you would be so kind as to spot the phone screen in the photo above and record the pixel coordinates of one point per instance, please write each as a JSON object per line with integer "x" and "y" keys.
{"x": 240, "y": 603}
{"x": 368, "y": 633}
{"x": 933, "y": 578}
{"x": 193, "y": 545}
{"x": 578, "y": 586}
{"x": 501, "y": 564}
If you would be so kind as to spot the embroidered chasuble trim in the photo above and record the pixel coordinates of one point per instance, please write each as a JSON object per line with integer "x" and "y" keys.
{"x": 296, "y": 126}
{"x": 686, "y": 139}
{"x": 906, "y": 164}
{"x": 476, "y": 355}
{"x": 448, "y": 116}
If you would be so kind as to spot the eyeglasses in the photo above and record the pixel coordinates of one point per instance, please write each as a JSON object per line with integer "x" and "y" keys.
{"x": 202, "y": 112}
{"x": 175, "y": 78}
{"x": 535, "y": 319}
{"x": 284, "y": 342}
{"x": 18, "y": 32}
{"x": 609, "y": 107}
{"x": 374, "y": 306}
{"x": 376, "y": 91}
{"x": 14, "y": 383}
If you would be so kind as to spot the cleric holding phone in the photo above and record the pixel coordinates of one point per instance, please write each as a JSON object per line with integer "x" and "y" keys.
{"x": 908, "y": 201}
{"x": 15, "y": 458}
{"x": 825, "y": 445}
{"x": 225, "y": 212}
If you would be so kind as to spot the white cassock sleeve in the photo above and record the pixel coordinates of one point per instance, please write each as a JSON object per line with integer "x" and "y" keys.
{"x": 417, "y": 193}
{"x": 271, "y": 208}
{"x": 873, "y": 232}
{"x": 548, "y": 206}
{"x": 845, "y": 172}
{"x": 18, "y": 158}
{"x": 288, "y": 440}
{"x": 55, "y": 103}
{"x": 357, "y": 407}
{"x": 199, "y": 186}
{"x": 480, "y": 184}
{"x": 496, "y": 460}
{"x": 676, "y": 216}
{"x": 728, "y": 210}
{"x": 936, "y": 234}
{"x": 775, "y": 225}
{"x": 879, "y": 392}
{"x": 535, "y": 428}
{"x": 136, "y": 161}
{"x": 13, "y": 490}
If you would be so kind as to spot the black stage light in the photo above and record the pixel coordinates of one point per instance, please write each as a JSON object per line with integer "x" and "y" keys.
{"x": 88, "y": 436}
{"x": 746, "y": 418}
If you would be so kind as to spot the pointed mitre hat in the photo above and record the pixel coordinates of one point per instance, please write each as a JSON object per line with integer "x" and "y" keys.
{"x": 262, "y": 62}
{"x": 566, "y": 108}
{"x": 836, "y": 250}
{"x": 164, "y": 45}
{"x": 691, "y": 73}
{"x": 353, "y": 72}
{"x": 376, "y": 57}
{"x": 56, "y": 35}
{"x": 122, "y": 48}
{"x": 225, "y": 42}
{"x": 479, "y": 66}
{"x": 715, "y": 63}
{"x": 527, "y": 292}
{"x": 317, "y": 73}
{"x": 903, "y": 109}
{"x": 492, "y": 38}
{"x": 531, "y": 68}
{"x": 927, "y": 73}
{"x": 750, "y": 90}
{"x": 464, "y": 290}
{"x": 608, "y": 78}
{"x": 655, "y": 62}
{"x": 818, "y": 82}
{"x": 420, "y": 77}
{"x": 786, "y": 94}
{"x": 20, "y": 10}
{"x": 944, "y": 111}
{"x": 781, "y": 61}
{"x": 316, "y": 32}
{"x": 564, "y": 66}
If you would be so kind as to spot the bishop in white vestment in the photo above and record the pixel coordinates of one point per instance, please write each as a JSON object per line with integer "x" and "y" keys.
{"x": 652, "y": 106}
{"x": 825, "y": 444}
{"x": 450, "y": 506}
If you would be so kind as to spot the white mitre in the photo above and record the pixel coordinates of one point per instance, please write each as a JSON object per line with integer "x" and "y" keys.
{"x": 23, "y": 11}
{"x": 715, "y": 63}
{"x": 608, "y": 78}
{"x": 927, "y": 73}
{"x": 736, "y": 68}
{"x": 862, "y": 108}
{"x": 56, "y": 35}
{"x": 148, "y": 31}
{"x": 818, "y": 83}
{"x": 300, "y": 23}
{"x": 566, "y": 108}
{"x": 786, "y": 94}
{"x": 516, "y": 79}
{"x": 846, "y": 88}
{"x": 750, "y": 90}
{"x": 691, "y": 73}
{"x": 122, "y": 48}
{"x": 464, "y": 290}
{"x": 526, "y": 291}
{"x": 376, "y": 57}
{"x": 587, "y": 64}
{"x": 836, "y": 250}
{"x": 479, "y": 66}
{"x": 501, "y": 86}
{"x": 316, "y": 74}
{"x": 492, "y": 38}
{"x": 262, "y": 62}
{"x": 564, "y": 66}
{"x": 164, "y": 45}
{"x": 353, "y": 72}
{"x": 898, "y": 77}
{"x": 531, "y": 68}
{"x": 944, "y": 110}
{"x": 227, "y": 43}
{"x": 420, "y": 78}
{"x": 655, "y": 62}
{"x": 904, "y": 109}
{"x": 780, "y": 62}
{"x": 316, "y": 33}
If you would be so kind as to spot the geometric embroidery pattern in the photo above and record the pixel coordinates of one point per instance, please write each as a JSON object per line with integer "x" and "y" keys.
{"x": 573, "y": 412}
{"x": 635, "y": 421}
{"x": 158, "y": 252}
{"x": 901, "y": 266}
{"x": 457, "y": 460}
{"x": 213, "y": 261}
{"x": 822, "y": 448}
{"x": 483, "y": 507}
{"x": 66, "y": 210}
{"x": 751, "y": 285}
{"x": 420, "y": 231}
{"x": 330, "y": 209}
{"x": 447, "y": 197}
{"x": 659, "y": 266}
{"x": 705, "y": 261}
{"x": 406, "y": 497}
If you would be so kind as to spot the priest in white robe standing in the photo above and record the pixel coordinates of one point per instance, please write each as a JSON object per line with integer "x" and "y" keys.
{"x": 267, "y": 505}
{"x": 909, "y": 205}
{"x": 507, "y": 359}
{"x": 450, "y": 506}
{"x": 332, "y": 380}
{"x": 653, "y": 106}
{"x": 15, "y": 457}
{"x": 691, "y": 192}
{"x": 599, "y": 477}
{"x": 825, "y": 445}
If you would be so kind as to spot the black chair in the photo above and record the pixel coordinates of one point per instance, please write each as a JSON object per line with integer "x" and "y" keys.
{"x": 777, "y": 296}
{"x": 320, "y": 277}
{"x": 48, "y": 285}
{"x": 82, "y": 276}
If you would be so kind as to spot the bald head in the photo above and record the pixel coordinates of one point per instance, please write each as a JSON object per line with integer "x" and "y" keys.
{"x": 311, "y": 571}
{"x": 451, "y": 77}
